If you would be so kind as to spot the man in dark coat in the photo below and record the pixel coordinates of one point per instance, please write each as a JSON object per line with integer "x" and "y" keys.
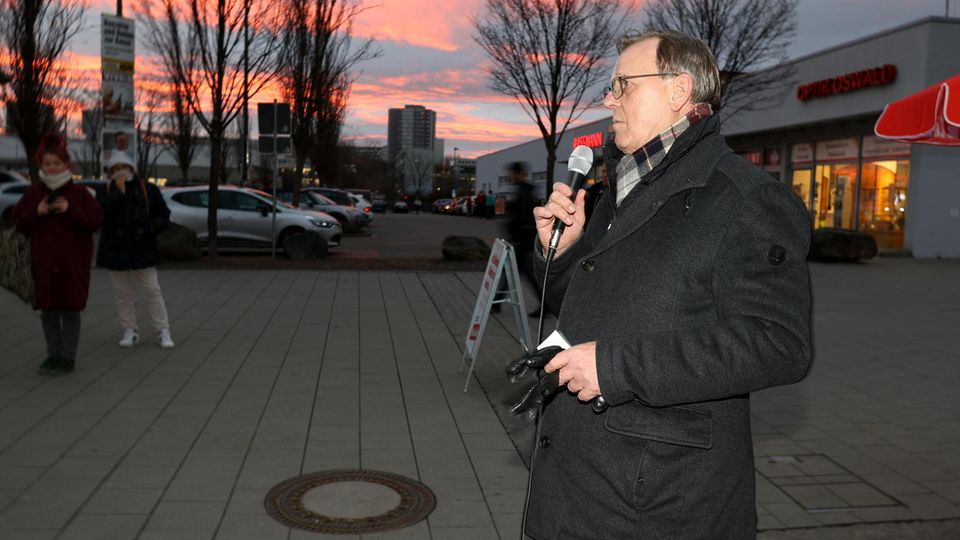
{"x": 134, "y": 214}
{"x": 687, "y": 290}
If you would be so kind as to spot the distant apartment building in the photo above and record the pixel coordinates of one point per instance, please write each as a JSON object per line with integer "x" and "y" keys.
{"x": 413, "y": 126}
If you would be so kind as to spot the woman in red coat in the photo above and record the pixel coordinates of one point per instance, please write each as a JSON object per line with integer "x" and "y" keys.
{"x": 60, "y": 218}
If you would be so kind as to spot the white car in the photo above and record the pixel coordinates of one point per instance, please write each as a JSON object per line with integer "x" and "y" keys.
{"x": 361, "y": 203}
{"x": 245, "y": 217}
{"x": 12, "y": 187}
{"x": 350, "y": 217}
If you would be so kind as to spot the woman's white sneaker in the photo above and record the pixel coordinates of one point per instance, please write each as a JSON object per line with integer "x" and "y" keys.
{"x": 130, "y": 338}
{"x": 165, "y": 341}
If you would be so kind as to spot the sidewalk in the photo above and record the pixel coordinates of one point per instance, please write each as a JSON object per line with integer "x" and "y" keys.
{"x": 283, "y": 373}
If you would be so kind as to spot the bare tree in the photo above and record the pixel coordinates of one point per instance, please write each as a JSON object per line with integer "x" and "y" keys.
{"x": 325, "y": 143}
{"x": 213, "y": 71}
{"x": 368, "y": 167}
{"x": 180, "y": 133}
{"x": 33, "y": 37}
{"x": 88, "y": 157}
{"x": 170, "y": 40}
{"x": 217, "y": 32}
{"x": 316, "y": 74}
{"x": 549, "y": 54}
{"x": 749, "y": 38}
{"x": 150, "y": 140}
{"x": 416, "y": 166}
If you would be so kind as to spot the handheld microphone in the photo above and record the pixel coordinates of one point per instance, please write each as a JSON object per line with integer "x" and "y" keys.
{"x": 579, "y": 164}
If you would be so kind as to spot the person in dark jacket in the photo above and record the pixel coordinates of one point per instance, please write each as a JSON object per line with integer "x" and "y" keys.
{"x": 60, "y": 218}
{"x": 686, "y": 291}
{"x": 134, "y": 214}
{"x": 521, "y": 228}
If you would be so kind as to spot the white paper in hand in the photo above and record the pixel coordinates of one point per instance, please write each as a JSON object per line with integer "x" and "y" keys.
{"x": 556, "y": 339}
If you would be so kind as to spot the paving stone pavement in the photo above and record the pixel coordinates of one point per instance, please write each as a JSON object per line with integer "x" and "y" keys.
{"x": 282, "y": 373}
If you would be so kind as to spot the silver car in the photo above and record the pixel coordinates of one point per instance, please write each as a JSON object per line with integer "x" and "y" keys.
{"x": 244, "y": 217}
{"x": 349, "y": 217}
{"x": 12, "y": 187}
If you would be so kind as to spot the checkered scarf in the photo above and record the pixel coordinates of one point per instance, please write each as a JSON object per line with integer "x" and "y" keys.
{"x": 630, "y": 172}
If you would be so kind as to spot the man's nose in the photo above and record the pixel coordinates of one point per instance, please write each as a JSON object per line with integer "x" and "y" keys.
{"x": 609, "y": 101}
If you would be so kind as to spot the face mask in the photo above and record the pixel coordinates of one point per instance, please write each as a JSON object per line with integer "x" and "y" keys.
{"x": 55, "y": 181}
{"x": 123, "y": 175}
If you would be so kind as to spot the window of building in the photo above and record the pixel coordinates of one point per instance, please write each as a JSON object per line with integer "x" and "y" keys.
{"x": 883, "y": 201}
{"x": 801, "y": 184}
{"x": 833, "y": 201}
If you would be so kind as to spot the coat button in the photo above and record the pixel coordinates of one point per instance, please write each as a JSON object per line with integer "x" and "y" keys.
{"x": 777, "y": 255}
{"x": 588, "y": 265}
{"x": 544, "y": 442}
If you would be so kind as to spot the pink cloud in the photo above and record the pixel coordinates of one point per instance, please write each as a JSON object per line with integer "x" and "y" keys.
{"x": 439, "y": 24}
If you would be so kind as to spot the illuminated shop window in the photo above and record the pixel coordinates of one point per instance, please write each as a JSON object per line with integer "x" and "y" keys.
{"x": 834, "y": 197}
{"x": 883, "y": 201}
{"x": 801, "y": 184}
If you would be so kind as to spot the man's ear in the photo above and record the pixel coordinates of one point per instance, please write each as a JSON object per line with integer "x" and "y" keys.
{"x": 681, "y": 91}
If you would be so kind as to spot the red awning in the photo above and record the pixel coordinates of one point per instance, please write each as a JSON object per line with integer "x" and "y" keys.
{"x": 930, "y": 116}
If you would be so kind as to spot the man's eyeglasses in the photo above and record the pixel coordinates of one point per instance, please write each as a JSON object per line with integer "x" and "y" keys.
{"x": 617, "y": 84}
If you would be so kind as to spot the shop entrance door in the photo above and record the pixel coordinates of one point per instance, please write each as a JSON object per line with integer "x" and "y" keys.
{"x": 833, "y": 200}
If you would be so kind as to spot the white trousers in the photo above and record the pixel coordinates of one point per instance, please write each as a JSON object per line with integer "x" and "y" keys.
{"x": 149, "y": 285}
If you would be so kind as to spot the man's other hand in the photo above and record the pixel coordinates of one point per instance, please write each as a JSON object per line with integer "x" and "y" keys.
{"x": 578, "y": 370}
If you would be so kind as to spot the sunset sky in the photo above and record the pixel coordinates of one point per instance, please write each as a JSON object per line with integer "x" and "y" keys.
{"x": 429, "y": 58}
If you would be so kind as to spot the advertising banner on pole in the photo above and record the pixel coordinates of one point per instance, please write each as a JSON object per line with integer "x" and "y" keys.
{"x": 117, "y": 55}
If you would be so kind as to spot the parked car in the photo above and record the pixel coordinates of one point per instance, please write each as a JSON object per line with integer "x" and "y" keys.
{"x": 400, "y": 207}
{"x": 11, "y": 177}
{"x": 365, "y": 193}
{"x": 10, "y": 192}
{"x": 348, "y": 216}
{"x": 378, "y": 206}
{"x": 361, "y": 203}
{"x": 443, "y": 206}
{"x": 338, "y": 196}
{"x": 244, "y": 217}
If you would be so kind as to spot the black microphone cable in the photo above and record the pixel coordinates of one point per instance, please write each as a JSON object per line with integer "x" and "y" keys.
{"x": 551, "y": 253}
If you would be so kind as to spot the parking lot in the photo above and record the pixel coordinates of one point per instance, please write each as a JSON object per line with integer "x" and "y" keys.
{"x": 411, "y": 235}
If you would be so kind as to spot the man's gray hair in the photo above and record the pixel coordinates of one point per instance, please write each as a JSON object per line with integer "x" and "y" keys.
{"x": 682, "y": 53}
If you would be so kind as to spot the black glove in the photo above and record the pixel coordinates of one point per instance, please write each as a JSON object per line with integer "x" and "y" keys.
{"x": 518, "y": 368}
{"x": 545, "y": 385}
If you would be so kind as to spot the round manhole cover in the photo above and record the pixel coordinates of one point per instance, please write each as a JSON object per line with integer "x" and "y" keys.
{"x": 349, "y": 502}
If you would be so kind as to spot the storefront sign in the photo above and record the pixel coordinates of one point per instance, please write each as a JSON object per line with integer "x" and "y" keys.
{"x": 593, "y": 140}
{"x": 801, "y": 153}
{"x": 837, "y": 150}
{"x": 878, "y": 76}
{"x": 876, "y": 147}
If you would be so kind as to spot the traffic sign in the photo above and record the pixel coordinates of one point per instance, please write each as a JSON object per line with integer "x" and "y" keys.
{"x": 274, "y": 115}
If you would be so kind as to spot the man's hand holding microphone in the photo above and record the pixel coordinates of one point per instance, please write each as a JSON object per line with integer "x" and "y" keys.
{"x": 560, "y": 222}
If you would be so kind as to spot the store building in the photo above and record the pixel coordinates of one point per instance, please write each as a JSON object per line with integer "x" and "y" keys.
{"x": 820, "y": 141}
